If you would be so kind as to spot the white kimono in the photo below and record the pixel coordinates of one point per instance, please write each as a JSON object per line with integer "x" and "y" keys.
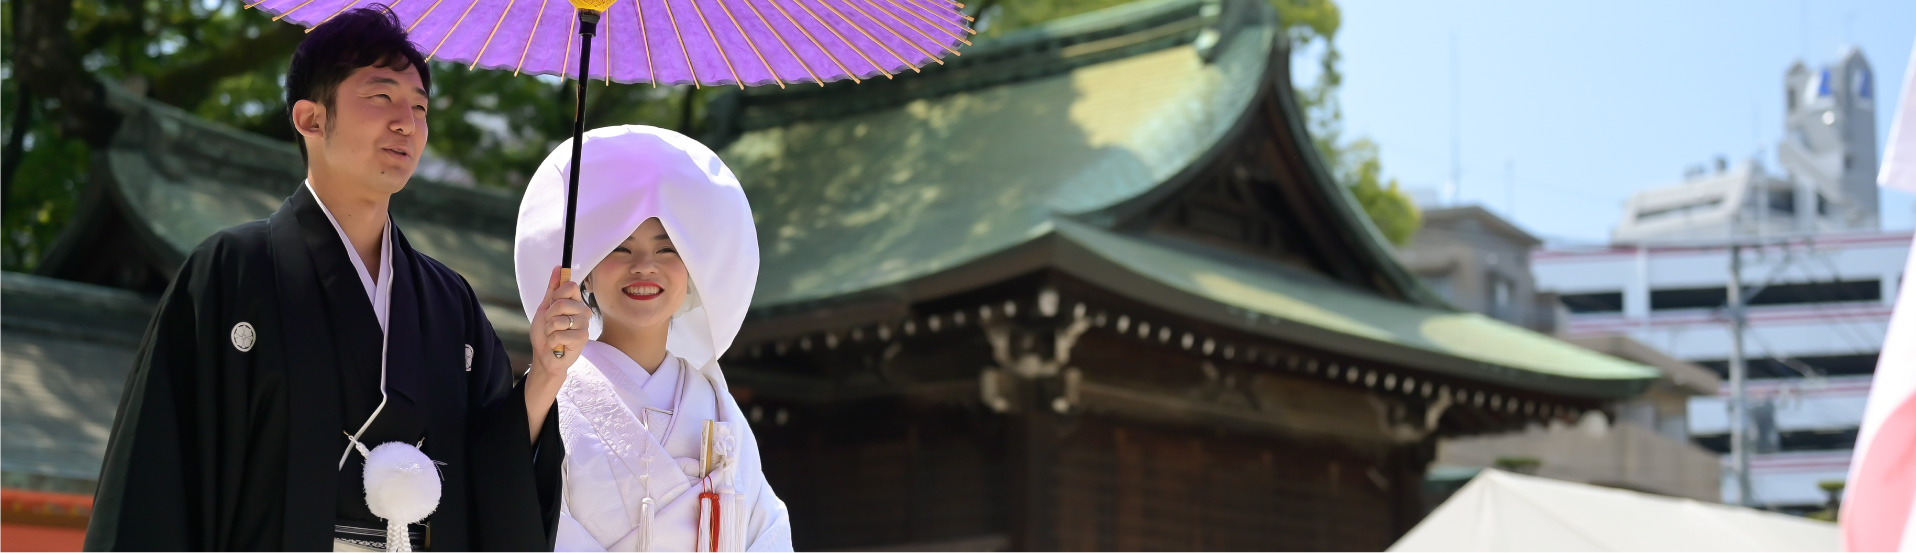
{"x": 632, "y": 473}
{"x": 633, "y": 447}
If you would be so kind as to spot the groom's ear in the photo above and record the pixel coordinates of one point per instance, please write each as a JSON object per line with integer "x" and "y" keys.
{"x": 309, "y": 118}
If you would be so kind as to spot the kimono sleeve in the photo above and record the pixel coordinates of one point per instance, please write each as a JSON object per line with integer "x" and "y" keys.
{"x": 160, "y": 480}
{"x": 515, "y": 481}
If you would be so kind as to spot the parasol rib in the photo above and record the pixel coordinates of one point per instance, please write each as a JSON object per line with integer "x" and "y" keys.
{"x": 528, "y": 47}
{"x": 868, "y": 36}
{"x": 455, "y": 28}
{"x": 390, "y": 8}
{"x": 780, "y": 81}
{"x": 567, "y": 60}
{"x": 715, "y": 44}
{"x": 495, "y": 32}
{"x": 815, "y": 44}
{"x": 961, "y": 15}
{"x": 290, "y": 12}
{"x": 674, "y": 18}
{"x": 934, "y": 25}
{"x": 608, "y": 47}
{"x": 423, "y": 16}
{"x": 916, "y": 8}
{"x": 938, "y": 12}
{"x": 894, "y": 32}
{"x": 645, "y": 39}
{"x": 841, "y": 38}
{"x": 342, "y": 9}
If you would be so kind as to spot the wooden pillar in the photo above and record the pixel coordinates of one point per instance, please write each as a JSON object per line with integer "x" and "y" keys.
{"x": 1033, "y": 458}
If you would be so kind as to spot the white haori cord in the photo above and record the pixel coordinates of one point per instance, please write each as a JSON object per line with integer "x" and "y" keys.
{"x": 402, "y": 483}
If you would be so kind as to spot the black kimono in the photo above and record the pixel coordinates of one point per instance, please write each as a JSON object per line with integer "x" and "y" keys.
{"x": 265, "y": 354}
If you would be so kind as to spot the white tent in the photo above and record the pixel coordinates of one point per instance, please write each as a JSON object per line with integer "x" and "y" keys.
{"x": 1500, "y": 511}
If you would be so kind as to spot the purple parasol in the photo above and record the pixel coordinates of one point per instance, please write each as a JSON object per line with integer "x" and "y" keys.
{"x": 674, "y": 42}
{"x": 671, "y": 42}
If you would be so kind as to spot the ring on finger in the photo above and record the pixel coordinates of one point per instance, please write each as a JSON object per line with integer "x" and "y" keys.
{"x": 568, "y": 322}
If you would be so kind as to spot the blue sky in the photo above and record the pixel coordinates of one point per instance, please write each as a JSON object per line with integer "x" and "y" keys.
{"x": 1580, "y": 103}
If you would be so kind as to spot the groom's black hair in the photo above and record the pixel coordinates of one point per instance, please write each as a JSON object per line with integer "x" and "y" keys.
{"x": 366, "y": 37}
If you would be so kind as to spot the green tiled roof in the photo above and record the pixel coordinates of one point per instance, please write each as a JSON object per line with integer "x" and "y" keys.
{"x": 869, "y": 199}
{"x": 67, "y": 347}
{"x": 1271, "y": 299}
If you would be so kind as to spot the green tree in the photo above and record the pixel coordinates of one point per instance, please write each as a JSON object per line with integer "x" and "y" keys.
{"x": 201, "y": 55}
{"x": 1388, "y": 206}
{"x": 1312, "y": 25}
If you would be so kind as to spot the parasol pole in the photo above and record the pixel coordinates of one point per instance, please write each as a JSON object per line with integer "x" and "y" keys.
{"x": 588, "y": 26}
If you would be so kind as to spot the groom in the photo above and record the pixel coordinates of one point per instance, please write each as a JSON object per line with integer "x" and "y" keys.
{"x": 281, "y": 343}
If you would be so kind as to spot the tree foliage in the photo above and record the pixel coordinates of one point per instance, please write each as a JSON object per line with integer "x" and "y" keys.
{"x": 202, "y": 55}
{"x": 197, "y": 54}
{"x": 1389, "y": 207}
{"x": 1311, "y": 26}
{"x": 227, "y": 64}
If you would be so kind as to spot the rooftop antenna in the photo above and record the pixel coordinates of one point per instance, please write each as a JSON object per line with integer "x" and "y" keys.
{"x": 1456, "y": 126}
{"x": 1510, "y": 187}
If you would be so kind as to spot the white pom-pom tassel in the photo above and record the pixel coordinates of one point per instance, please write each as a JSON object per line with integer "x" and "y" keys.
{"x": 403, "y": 487}
{"x": 645, "y": 524}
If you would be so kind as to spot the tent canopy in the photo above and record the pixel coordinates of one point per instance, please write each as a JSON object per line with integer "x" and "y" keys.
{"x": 1500, "y": 511}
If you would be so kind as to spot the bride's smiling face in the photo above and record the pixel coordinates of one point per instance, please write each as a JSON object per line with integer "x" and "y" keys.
{"x": 642, "y": 283}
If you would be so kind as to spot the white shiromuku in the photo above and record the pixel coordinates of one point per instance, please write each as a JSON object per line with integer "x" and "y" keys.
{"x": 634, "y": 440}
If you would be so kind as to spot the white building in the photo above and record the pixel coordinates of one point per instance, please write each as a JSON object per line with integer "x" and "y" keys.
{"x": 1829, "y": 154}
{"x": 1814, "y": 330}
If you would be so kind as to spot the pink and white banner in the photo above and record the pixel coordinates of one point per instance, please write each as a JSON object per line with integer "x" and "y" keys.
{"x": 1879, "y": 506}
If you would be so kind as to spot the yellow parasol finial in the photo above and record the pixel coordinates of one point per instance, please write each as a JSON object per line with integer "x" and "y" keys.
{"x": 593, "y": 5}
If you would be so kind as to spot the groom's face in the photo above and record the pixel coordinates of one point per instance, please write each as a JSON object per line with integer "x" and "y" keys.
{"x": 375, "y": 131}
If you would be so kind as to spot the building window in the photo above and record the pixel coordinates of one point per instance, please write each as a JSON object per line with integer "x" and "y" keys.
{"x": 1502, "y": 294}
{"x": 1598, "y": 302}
{"x": 1688, "y": 298}
{"x": 1795, "y": 367}
{"x": 1800, "y": 440}
{"x": 1783, "y": 201}
{"x": 1820, "y": 292}
{"x": 1690, "y": 208}
{"x": 1774, "y": 294}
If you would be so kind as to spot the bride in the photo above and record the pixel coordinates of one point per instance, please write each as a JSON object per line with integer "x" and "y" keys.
{"x": 658, "y": 456}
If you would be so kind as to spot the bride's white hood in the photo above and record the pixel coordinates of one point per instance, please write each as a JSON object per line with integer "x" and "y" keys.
{"x": 633, "y": 173}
